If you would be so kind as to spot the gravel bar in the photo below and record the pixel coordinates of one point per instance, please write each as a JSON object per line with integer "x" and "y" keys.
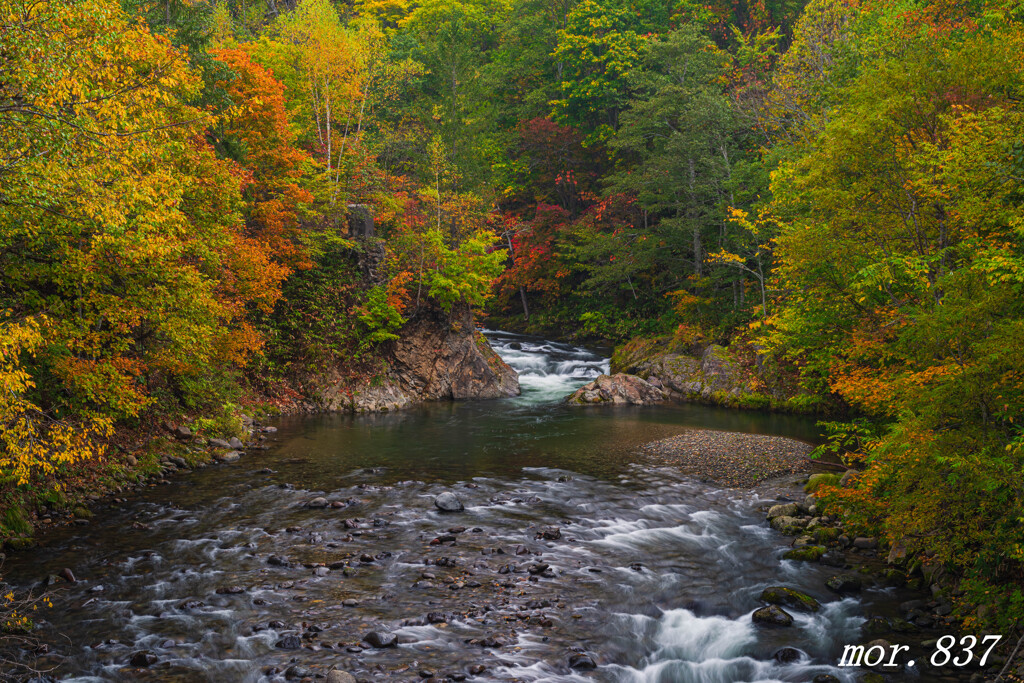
{"x": 732, "y": 459}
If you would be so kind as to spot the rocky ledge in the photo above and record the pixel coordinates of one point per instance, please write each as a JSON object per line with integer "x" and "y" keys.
{"x": 437, "y": 357}
{"x": 621, "y": 388}
{"x": 714, "y": 374}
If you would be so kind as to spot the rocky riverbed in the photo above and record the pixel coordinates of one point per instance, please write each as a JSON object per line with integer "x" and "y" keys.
{"x": 515, "y": 540}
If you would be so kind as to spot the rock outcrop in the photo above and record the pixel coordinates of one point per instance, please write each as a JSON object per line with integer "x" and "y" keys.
{"x": 713, "y": 375}
{"x": 436, "y": 357}
{"x": 621, "y": 388}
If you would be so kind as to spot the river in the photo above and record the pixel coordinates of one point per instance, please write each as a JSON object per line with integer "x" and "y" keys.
{"x": 652, "y": 575}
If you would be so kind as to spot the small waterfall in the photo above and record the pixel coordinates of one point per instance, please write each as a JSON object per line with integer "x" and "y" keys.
{"x": 548, "y": 371}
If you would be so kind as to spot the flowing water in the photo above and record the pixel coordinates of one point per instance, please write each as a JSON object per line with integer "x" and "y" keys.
{"x": 651, "y": 574}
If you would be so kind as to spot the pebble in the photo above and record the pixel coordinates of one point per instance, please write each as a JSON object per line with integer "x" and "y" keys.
{"x": 730, "y": 458}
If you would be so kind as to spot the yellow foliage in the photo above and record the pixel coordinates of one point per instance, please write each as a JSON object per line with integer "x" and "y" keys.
{"x": 32, "y": 442}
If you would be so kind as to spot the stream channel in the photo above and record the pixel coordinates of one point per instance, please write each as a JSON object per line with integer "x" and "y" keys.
{"x": 652, "y": 575}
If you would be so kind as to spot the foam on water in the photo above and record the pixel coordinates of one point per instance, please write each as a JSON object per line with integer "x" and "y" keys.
{"x": 548, "y": 371}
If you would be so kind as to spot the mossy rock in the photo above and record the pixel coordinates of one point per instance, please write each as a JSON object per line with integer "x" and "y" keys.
{"x": 826, "y": 535}
{"x": 875, "y": 626}
{"x": 809, "y": 553}
{"x": 82, "y": 512}
{"x": 21, "y": 543}
{"x": 816, "y": 481}
{"x": 872, "y": 677}
{"x": 780, "y": 595}
{"x": 903, "y": 626}
{"x": 894, "y": 577}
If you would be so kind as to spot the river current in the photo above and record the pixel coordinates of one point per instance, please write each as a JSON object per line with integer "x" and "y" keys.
{"x": 566, "y": 547}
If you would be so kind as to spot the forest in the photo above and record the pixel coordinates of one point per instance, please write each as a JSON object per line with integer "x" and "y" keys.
{"x": 838, "y": 184}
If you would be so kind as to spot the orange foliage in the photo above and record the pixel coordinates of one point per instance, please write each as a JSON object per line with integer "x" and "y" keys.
{"x": 273, "y": 164}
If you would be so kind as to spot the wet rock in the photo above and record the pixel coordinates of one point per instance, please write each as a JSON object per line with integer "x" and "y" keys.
{"x": 340, "y": 677}
{"x": 448, "y": 502}
{"x": 825, "y": 678}
{"x": 143, "y": 658}
{"x": 444, "y": 538}
{"x": 809, "y": 553}
{"x": 773, "y": 615}
{"x": 786, "y": 655}
{"x": 321, "y": 571}
{"x": 787, "y": 597}
{"x": 620, "y": 389}
{"x": 235, "y": 443}
{"x": 783, "y": 510}
{"x": 278, "y": 561}
{"x": 381, "y": 639}
{"x": 843, "y": 584}
{"x": 787, "y": 524}
{"x": 491, "y": 642}
{"x": 833, "y": 559}
{"x": 319, "y": 502}
{"x": 295, "y": 671}
{"x": 291, "y": 642}
{"x": 350, "y": 602}
{"x": 230, "y": 456}
{"x": 477, "y": 669}
{"x": 230, "y": 590}
{"x": 865, "y": 543}
{"x": 582, "y": 662}
{"x": 68, "y": 575}
{"x": 549, "y": 533}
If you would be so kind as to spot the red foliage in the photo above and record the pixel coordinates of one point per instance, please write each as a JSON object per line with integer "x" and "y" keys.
{"x": 273, "y": 164}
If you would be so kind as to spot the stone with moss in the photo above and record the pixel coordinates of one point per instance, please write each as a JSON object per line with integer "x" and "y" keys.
{"x": 21, "y": 543}
{"x": 787, "y": 597}
{"x": 816, "y": 481}
{"x": 809, "y": 553}
{"x": 826, "y": 535}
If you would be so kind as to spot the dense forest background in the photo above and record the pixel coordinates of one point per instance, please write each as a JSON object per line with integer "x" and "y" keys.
{"x": 839, "y": 185}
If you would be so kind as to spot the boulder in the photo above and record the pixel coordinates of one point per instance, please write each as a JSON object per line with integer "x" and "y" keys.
{"x": 291, "y": 642}
{"x": 448, "y": 502}
{"x": 143, "y": 658}
{"x": 381, "y": 639}
{"x": 340, "y": 677}
{"x": 230, "y": 456}
{"x": 783, "y": 510}
{"x": 787, "y": 597}
{"x": 619, "y": 389}
{"x": 582, "y": 662}
{"x": 787, "y": 524}
{"x": 809, "y": 553}
{"x": 183, "y": 433}
{"x": 843, "y": 584}
{"x": 218, "y": 443}
{"x": 785, "y": 655}
{"x": 772, "y": 615}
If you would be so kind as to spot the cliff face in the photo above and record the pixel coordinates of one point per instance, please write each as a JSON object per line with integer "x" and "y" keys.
{"x": 437, "y": 357}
